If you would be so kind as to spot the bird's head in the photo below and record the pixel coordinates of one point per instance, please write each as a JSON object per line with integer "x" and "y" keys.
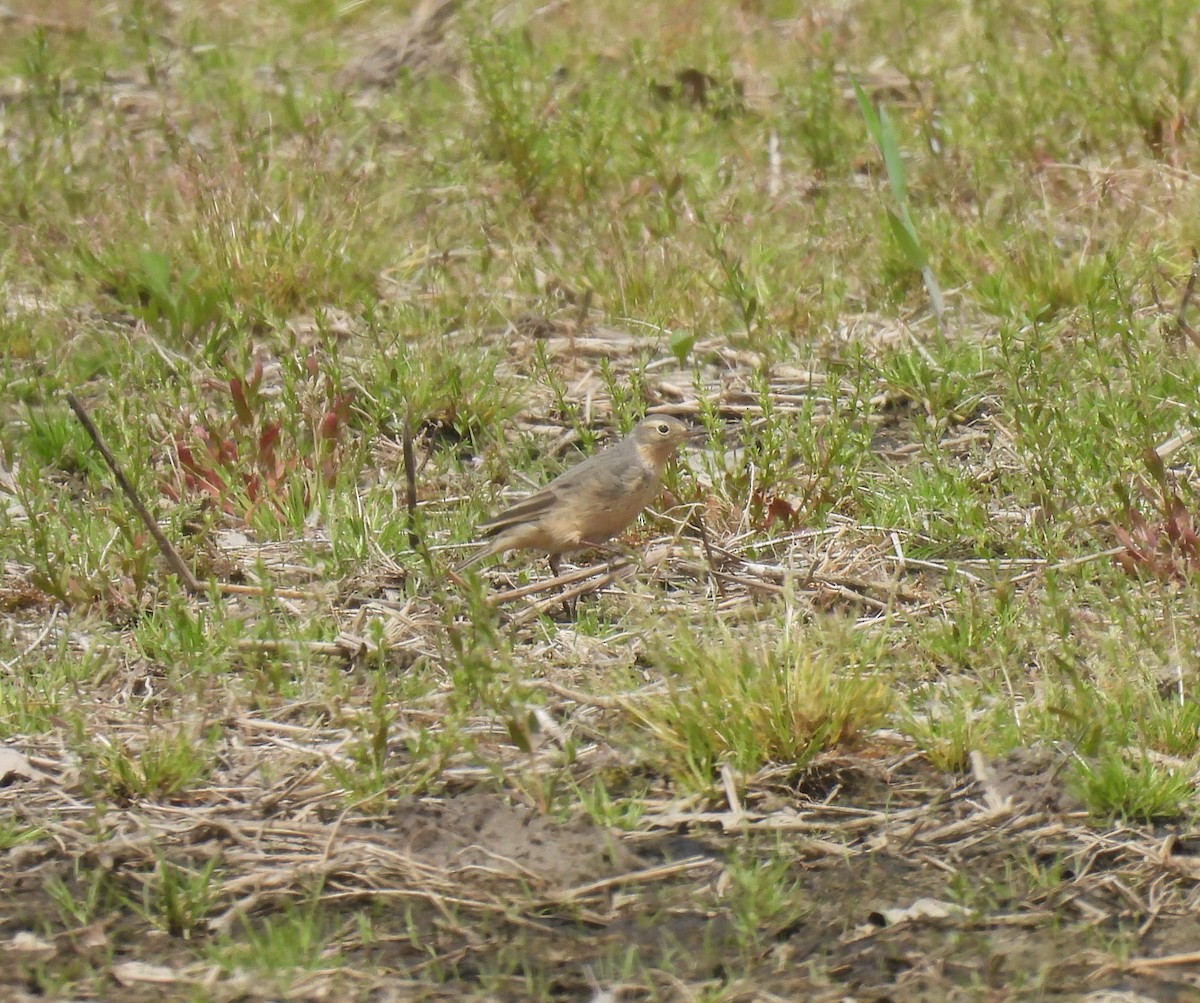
{"x": 659, "y": 435}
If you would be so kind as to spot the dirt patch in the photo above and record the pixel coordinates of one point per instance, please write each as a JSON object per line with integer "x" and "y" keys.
{"x": 483, "y": 833}
{"x": 1035, "y": 779}
{"x": 896, "y": 887}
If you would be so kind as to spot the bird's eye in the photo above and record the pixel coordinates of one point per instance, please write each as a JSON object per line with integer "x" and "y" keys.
{"x": 664, "y": 428}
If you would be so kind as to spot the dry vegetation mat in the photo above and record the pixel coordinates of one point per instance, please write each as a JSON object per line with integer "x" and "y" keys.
{"x": 891, "y": 694}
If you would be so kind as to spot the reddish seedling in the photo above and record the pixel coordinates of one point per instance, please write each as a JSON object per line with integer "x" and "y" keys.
{"x": 1166, "y": 546}
{"x": 248, "y": 458}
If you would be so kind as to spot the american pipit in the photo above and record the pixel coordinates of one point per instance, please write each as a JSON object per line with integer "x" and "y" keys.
{"x": 591, "y": 502}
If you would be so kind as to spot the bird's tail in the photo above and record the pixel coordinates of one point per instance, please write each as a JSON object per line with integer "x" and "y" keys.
{"x": 482, "y": 554}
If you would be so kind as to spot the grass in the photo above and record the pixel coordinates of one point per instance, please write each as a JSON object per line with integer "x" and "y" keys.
{"x": 923, "y": 273}
{"x": 747, "y": 705}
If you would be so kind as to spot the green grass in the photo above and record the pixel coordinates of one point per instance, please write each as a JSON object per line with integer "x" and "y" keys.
{"x": 919, "y": 269}
{"x": 746, "y": 704}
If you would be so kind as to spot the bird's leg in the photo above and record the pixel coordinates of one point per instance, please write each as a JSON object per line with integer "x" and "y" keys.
{"x": 569, "y": 605}
{"x": 555, "y": 570}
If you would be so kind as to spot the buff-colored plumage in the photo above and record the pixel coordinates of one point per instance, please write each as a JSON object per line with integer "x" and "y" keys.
{"x": 592, "y": 501}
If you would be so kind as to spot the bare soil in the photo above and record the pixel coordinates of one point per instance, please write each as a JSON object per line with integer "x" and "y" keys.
{"x": 911, "y": 888}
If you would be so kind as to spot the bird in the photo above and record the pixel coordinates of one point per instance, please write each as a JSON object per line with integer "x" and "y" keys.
{"x": 592, "y": 501}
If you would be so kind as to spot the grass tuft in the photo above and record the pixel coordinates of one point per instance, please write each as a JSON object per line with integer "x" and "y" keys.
{"x": 738, "y": 701}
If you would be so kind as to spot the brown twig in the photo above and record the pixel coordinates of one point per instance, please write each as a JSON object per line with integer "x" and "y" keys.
{"x": 1182, "y": 327}
{"x": 262, "y": 591}
{"x": 410, "y": 482}
{"x": 708, "y": 553}
{"x": 581, "y": 315}
{"x": 616, "y": 570}
{"x": 177, "y": 563}
{"x": 344, "y": 647}
{"x": 550, "y": 584}
{"x": 1143, "y": 965}
{"x": 579, "y": 697}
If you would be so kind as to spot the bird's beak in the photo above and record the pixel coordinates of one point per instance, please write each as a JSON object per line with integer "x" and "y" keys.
{"x": 697, "y": 435}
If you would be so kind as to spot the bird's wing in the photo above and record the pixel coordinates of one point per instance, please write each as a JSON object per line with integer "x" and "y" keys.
{"x": 525, "y": 510}
{"x": 608, "y": 477}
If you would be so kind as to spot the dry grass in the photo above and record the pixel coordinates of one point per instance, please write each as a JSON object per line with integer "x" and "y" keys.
{"x": 894, "y": 695}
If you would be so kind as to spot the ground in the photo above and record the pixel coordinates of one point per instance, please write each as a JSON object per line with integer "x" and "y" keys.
{"x": 890, "y": 695}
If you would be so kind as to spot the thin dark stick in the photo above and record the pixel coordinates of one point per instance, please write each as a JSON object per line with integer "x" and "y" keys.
{"x": 1182, "y": 326}
{"x": 410, "y": 479}
{"x": 410, "y": 494}
{"x": 164, "y": 545}
{"x": 708, "y": 553}
{"x": 581, "y": 317}
{"x": 585, "y": 305}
